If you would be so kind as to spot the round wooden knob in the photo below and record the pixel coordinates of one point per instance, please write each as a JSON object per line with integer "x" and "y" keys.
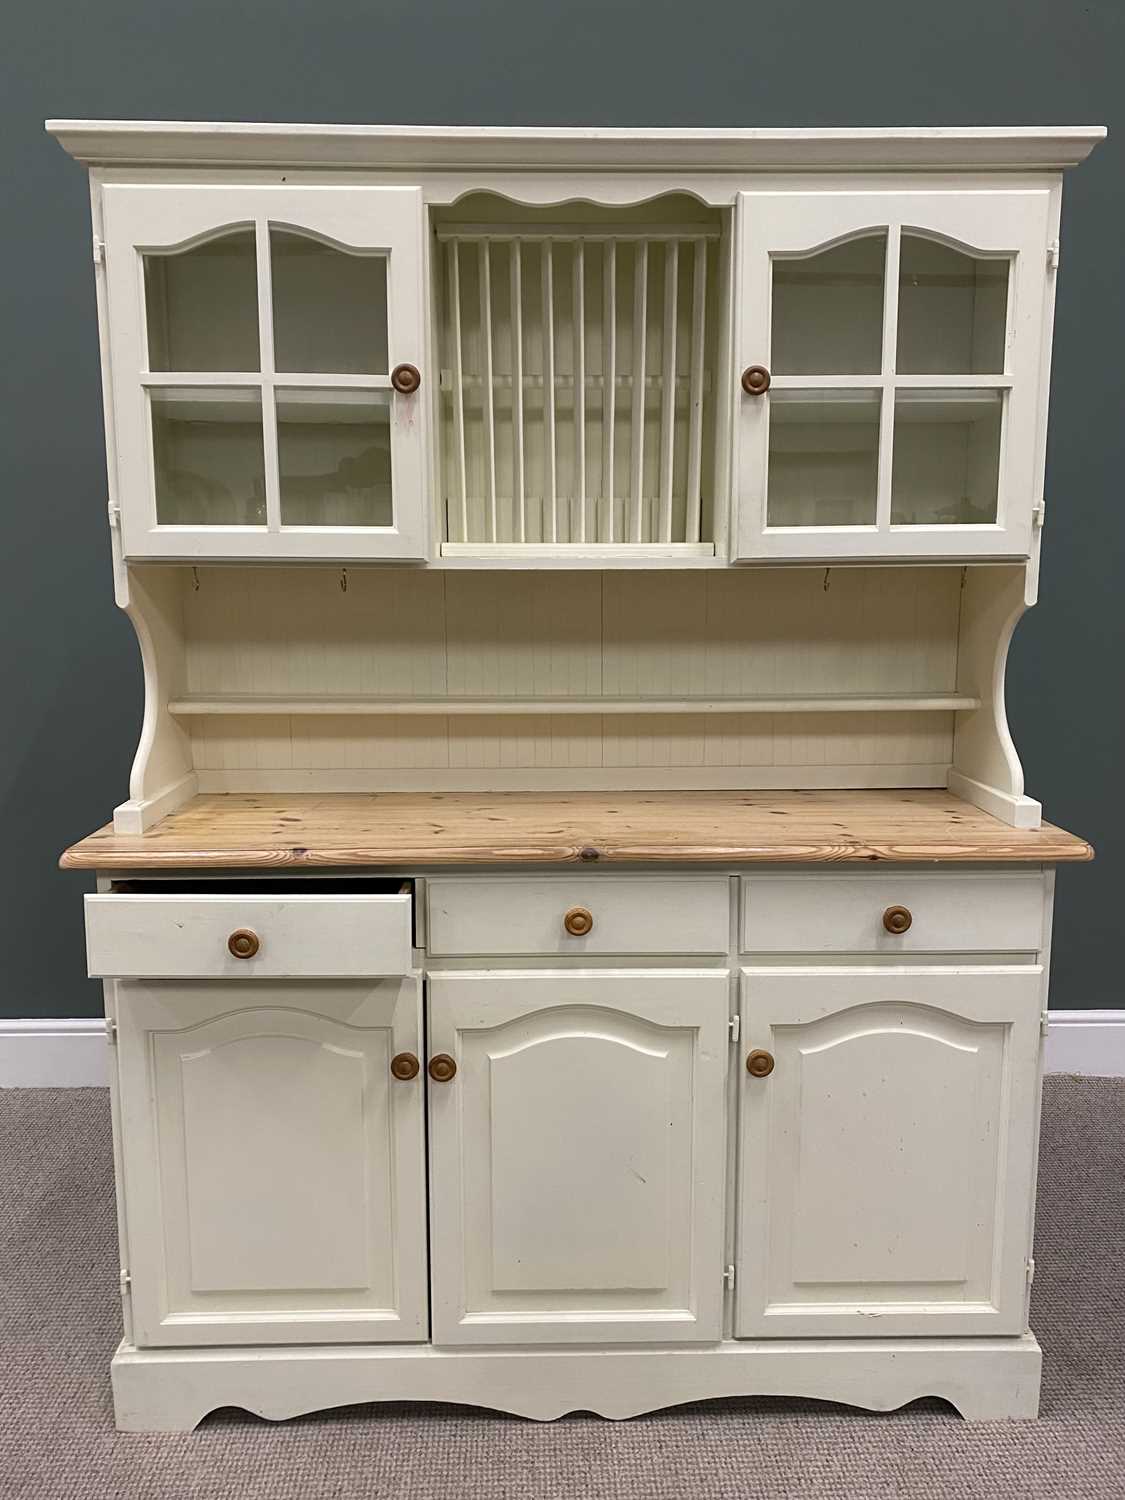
{"x": 406, "y": 379}
{"x": 759, "y": 1063}
{"x": 243, "y": 943}
{"x": 755, "y": 380}
{"x": 442, "y": 1067}
{"x": 578, "y": 921}
{"x": 897, "y": 920}
{"x": 405, "y": 1065}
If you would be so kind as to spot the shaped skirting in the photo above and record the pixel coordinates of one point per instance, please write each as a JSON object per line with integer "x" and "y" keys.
{"x": 166, "y": 1390}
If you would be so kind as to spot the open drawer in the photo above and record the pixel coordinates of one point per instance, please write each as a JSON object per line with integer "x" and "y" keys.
{"x": 332, "y": 929}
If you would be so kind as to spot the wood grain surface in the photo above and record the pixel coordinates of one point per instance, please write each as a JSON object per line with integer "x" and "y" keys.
{"x": 298, "y": 830}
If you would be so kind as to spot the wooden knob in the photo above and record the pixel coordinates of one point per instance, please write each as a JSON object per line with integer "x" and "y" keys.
{"x": 897, "y": 920}
{"x": 759, "y": 1063}
{"x": 755, "y": 380}
{"x": 442, "y": 1067}
{"x": 578, "y": 921}
{"x": 405, "y": 1065}
{"x": 243, "y": 943}
{"x": 406, "y": 379}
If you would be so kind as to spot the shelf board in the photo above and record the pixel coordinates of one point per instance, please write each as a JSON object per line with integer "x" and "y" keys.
{"x": 201, "y": 707}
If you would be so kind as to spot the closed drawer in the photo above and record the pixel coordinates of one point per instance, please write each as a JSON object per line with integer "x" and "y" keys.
{"x": 201, "y": 937}
{"x": 631, "y": 915}
{"x": 907, "y": 913}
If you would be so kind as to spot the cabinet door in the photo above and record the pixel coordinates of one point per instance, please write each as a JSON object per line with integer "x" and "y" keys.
{"x": 253, "y": 332}
{"x": 577, "y": 1156}
{"x": 902, "y": 333}
{"x": 274, "y": 1167}
{"x": 887, "y": 1160}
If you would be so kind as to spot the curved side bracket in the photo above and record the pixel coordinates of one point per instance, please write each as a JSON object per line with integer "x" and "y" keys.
{"x": 986, "y": 769}
{"x": 163, "y": 774}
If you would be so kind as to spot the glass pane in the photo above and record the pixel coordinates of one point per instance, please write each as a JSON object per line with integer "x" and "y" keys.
{"x": 201, "y": 306}
{"x": 208, "y": 457}
{"x": 823, "y": 458}
{"x": 329, "y": 307}
{"x": 828, "y": 310}
{"x": 946, "y": 468}
{"x": 952, "y": 310}
{"x": 334, "y": 455}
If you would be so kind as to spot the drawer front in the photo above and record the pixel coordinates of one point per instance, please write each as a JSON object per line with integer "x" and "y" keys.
{"x": 631, "y": 915}
{"x": 191, "y": 937}
{"x": 907, "y": 913}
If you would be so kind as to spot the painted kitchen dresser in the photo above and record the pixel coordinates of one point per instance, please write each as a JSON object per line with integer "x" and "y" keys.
{"x": 577, "y": 936}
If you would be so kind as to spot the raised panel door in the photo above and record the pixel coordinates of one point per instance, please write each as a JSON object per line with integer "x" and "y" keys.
{"x": 577, "y": 1156}
{"x": 274, "y": 1167}
{"x": 886, "y": 1161}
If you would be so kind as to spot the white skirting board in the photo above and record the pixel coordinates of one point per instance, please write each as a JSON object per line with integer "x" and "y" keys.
{"x": 73, "y": 1054}
{"x": 1086, "y": 1041}
{"x": 53, "y": 1054}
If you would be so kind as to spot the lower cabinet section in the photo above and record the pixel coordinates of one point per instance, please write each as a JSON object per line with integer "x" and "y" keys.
{"x": 279, "y": 1186}
{"x": 887, "y": 1159}
{"x": 274, "y": 1167}
{"x": 577, "y": 1155}
{"x": 516, "y": 1186}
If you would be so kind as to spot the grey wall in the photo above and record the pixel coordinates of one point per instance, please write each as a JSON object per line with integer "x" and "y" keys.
{"x": 70, "y": 685}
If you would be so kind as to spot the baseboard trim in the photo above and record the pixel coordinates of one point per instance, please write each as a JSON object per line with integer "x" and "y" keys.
{"x": 53, "y": 1054}
{"x": 59, "y": 1054}
{"x": 1086, "y": 1041}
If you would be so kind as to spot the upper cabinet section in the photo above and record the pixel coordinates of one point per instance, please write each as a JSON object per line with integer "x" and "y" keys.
{"x": 490, "y": 348}
{"x": 267, "y": 347}
{"x": 891, "y": 388}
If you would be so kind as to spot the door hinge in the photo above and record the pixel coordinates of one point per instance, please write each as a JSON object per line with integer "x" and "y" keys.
{"x": 1044, "y": 1022}
{"x": 99, "y": 250}
{"x": 126, "y": 1283}
{"x": 728, "y": 1278}
{"x": 734, "y": 1026}
{"x": 1030, "y": 1269}
{"x": 114, "y": 511}
{"x": 1039, "y": 514}
{"x": 1052, "y": 255}
{"x": 111, "y": 1031}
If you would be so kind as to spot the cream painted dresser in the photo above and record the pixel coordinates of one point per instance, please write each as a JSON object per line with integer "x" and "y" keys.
{"x": 577, "y": 937}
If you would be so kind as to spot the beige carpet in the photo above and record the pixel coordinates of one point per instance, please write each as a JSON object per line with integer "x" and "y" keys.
{"x": 58, "y": 1327}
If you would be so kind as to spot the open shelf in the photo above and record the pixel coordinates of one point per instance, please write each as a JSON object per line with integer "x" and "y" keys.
{"x": 194, "y": 707}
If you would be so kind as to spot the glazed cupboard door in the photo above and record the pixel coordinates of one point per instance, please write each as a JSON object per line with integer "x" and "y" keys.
{"x": 274, "y": 1164}
{"x": 887, "y": 1157}
{"x": 890, "y": 345}
{"x": 266, "y": 351}
{"x": 576, "y": 1140}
